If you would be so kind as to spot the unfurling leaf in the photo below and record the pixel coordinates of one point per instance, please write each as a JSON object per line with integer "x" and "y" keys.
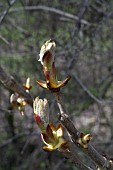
{"x": 47, "y": 61}
{"x": 53, "y": 138}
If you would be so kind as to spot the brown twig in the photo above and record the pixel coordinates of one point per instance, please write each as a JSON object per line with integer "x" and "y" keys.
{"x": 75, "y": 160}
{"x": 10, "y": 83}
{"x": 70, "y": 152}
{"x": 98, "y": 159}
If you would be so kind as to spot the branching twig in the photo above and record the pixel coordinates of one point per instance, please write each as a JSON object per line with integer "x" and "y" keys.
{"x": 72, "y": 154}
{"x": 9, "y": 82}
{"x": 99, "y": 160}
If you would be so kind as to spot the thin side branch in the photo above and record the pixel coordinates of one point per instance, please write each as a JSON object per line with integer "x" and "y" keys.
{"x": 93, "y": 97}
{"x": 75, "y": 77}
{"x": 4, "y": 40}
{"x": 10, "y": 83}
{"x": 50, "y": 9}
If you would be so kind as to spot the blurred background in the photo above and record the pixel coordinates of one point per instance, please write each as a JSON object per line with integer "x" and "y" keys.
{"x": 83, "y": 32}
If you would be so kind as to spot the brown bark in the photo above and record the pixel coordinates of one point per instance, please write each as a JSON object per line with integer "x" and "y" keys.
{"x": 10, "y": 83}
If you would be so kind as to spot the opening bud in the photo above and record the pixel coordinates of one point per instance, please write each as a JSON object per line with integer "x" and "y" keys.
{"x": 41, "y": 113}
